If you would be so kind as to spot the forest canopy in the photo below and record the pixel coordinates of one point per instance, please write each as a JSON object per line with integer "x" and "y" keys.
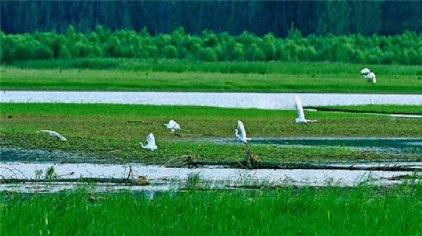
{"x": 337, "y": 17}
{"x": 376, "y": 32}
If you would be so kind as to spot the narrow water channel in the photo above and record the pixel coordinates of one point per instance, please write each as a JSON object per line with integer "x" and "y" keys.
{"x": 283, "y": 101}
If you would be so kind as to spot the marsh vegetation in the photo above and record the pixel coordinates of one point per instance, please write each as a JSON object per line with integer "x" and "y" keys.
{"x": 361, "y": 210}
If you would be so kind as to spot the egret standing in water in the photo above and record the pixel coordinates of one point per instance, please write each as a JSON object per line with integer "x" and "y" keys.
{"x": 240, "y": 132}
{"x": 53, "y": 134}
{"x": 300, "y": 114}
{"x": 150, "y": 143}
{"x": 368, "y": 75}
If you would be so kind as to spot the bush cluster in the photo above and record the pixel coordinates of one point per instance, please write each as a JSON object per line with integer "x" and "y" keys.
{"x": 208, "y": 46}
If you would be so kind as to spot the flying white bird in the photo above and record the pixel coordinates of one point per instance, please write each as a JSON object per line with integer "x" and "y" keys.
{"x": 172, "y": 125}
{"x": 240, "y": 132}
{"x": 150, "y": 143}
{"x": 53, "y": 134}
{"x": 300, "y": 114}
{"x": 368, "y": 75}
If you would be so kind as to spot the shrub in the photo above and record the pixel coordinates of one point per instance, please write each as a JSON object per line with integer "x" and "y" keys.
{"x": 208, "y": 46}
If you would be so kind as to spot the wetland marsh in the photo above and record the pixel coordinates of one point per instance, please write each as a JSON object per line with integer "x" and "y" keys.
{"x": 350, "y": 167}
{"x": 83, "y": 83}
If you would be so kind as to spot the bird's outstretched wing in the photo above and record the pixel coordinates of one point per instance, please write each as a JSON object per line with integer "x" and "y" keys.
{"x": 299, "y": 108}
{"x": 150, "y": 139}
{"x": 240, "y": 126}
{"x": 242, "y": 131}
{"x": 53, "y": 134}
{"x": 173, "y": 125}
{"x": 365, "y": 71}
{"x": 47, "y": 131}
{"x": 61, "y": 137}
{"x": 150, "y": 143}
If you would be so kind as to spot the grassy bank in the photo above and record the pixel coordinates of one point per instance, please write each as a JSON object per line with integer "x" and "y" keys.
{"x": 137, "y": 75}
{"x": 115, "y": 130}
{"x": 305, "y": 211}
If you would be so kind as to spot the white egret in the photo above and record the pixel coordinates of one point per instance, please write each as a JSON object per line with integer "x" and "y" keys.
{"x": 172, "y": 126}
{"x": 150, "y": 143}
{"x": 53, "y": 134}
{"x": 240, "y": 132}
{"x": 300, "y": 114}
{"x": 368, "y": 75}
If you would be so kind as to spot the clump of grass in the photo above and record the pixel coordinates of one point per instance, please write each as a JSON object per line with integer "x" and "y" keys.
{"x": 193, "y": 181}
{"x": 142, "y": 181}
{"x": 252, "y": 160}
{"x": 51, "y": 173}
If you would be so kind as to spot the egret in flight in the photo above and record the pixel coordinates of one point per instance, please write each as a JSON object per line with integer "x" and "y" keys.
{"x": 53, "y": 134}
{"x": 150, "y": 143}
{"x": 300, "y": 114}
{"x": 240, "y": 132}
{"x": 172, "y": 126}
{"x": 368, "y": 75}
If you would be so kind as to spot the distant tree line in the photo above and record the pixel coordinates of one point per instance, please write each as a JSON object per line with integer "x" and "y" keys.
{"x": 208, "y": 46}
{"x": 338, "y": 17}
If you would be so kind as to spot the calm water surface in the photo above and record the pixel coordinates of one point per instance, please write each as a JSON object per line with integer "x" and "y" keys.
{"x": 227, "y": 100}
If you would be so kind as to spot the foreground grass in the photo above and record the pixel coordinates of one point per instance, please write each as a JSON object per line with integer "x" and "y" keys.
{"x": 286, "y": 211}
{"x": 115, "y": 130}
{"x": 388, "y": 109}
{"x": 135, "y": 75}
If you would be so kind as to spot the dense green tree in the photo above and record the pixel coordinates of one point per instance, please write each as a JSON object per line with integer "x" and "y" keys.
{"x": 336, "y": 17}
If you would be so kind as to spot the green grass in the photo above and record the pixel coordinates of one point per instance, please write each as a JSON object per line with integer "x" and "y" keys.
{"x": 177, "y": 65}
{"x": 104, "y": 130}
{"x": 287, "y": 211}
{"x": 390, "y": 109}
{"x": 137, "y": 75}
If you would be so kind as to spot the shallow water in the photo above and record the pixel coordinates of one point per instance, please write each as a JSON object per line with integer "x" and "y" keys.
{"x": 405, "y": 116}
{"x": 345, "y": 142}
{"x": 385, "y": 145}
{"x": 162, "y": 178}
{"x": 159, "y": 175}
{"x": 227, "y": 100}
{"x": 149, "y": 191}
{"x": 33, "y": 164}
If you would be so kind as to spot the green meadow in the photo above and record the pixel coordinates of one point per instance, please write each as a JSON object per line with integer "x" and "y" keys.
{"x": 114, "y": 131}
{"x": 180, "y": 75}
{"x": 362, "y": 210}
